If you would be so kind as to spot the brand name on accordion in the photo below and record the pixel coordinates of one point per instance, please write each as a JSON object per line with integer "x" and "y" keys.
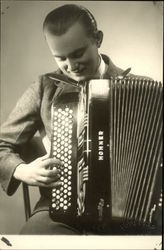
{"x": 100, "y": 145}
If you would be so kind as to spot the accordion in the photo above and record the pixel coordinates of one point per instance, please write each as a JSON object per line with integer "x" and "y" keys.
{"x": 109, "y": 137}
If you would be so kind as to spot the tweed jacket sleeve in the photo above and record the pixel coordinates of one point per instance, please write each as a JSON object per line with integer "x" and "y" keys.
{"x": 20, "y": 126}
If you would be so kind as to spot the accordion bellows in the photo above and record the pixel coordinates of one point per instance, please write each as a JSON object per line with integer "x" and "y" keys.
{"x": 110, "y": 141}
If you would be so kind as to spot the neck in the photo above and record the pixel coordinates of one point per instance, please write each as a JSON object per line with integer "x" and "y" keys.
{"x": 101, "y": 69}
{"x": 98, "y": 63}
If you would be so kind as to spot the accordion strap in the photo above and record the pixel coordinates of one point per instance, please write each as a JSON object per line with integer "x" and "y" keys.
{"x": 124, "y": 74}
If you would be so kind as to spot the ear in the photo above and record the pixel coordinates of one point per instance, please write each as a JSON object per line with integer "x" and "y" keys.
{"x": 99, "y": 38}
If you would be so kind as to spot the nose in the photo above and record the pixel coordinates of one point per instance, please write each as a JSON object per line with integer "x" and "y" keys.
{"x": 72, "y": 65}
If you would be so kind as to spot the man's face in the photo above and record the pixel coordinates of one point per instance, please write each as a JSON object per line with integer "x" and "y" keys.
{"x": 75, "y": 53}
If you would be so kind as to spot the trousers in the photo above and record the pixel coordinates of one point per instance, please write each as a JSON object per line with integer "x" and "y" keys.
{"x": 40, "y": 223}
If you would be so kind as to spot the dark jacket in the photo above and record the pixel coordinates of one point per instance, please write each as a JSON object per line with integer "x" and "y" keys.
{"x": 32, "y": 114}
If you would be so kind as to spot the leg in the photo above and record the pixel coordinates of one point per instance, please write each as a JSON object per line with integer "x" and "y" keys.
{"x": 41, "y": 223}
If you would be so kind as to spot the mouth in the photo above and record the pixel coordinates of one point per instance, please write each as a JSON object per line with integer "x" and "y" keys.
{"x": 77, "y": 72}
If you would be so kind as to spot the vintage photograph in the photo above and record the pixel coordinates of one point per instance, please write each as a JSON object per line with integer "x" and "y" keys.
{"x": 81, "y": 119}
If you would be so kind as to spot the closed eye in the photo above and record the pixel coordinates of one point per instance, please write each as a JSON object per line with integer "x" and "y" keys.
{"x": 75, "y": 54}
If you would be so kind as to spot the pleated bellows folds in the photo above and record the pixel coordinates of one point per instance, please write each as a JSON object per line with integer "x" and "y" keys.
{"x": 135, "y": 146}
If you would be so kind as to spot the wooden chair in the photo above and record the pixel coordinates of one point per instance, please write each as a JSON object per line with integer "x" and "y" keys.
{"x": 26, "y": 198}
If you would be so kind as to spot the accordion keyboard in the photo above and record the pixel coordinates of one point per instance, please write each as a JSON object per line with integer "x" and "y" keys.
{"x": 62, "y": 150}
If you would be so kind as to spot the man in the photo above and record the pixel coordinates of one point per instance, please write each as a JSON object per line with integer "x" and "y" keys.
{"x": 74, "y": 41}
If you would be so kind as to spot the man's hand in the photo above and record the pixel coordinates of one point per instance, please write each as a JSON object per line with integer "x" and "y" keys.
{"x": 42, "y": 172}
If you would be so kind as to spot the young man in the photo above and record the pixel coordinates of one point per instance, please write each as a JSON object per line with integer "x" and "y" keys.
{"x": 74, "y": 41}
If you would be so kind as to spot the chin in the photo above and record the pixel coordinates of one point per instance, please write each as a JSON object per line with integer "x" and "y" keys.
{"x": 79, "y": 78}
